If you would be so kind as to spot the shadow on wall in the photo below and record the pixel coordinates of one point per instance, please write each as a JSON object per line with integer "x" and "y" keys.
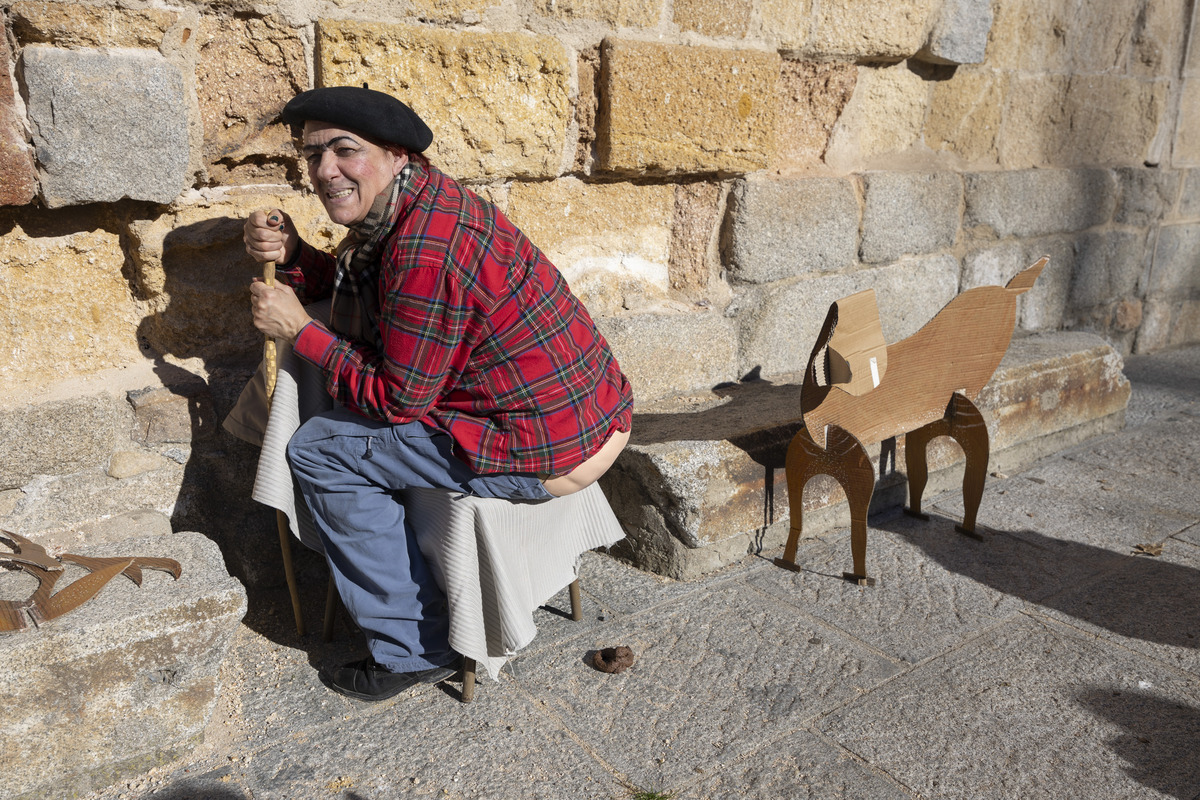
{"x": 206, "y": 316}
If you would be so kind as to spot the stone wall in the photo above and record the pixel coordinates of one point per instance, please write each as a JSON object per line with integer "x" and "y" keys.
{"x": 709, "y": 177}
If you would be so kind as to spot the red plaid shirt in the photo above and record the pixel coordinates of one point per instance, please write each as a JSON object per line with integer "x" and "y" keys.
{"x": 481, "y": 338}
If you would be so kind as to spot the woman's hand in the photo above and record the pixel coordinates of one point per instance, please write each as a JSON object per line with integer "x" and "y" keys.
{"x": 277, "y": 311}
{"x": 270, "y": 236}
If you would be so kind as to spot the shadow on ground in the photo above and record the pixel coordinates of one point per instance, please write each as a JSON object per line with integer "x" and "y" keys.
{"x": 1160, "y": 741}
{"x": 1139, "y": 597}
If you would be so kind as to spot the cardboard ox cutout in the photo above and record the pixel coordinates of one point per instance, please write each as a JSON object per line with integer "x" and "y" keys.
{"x": 868, "y": 391}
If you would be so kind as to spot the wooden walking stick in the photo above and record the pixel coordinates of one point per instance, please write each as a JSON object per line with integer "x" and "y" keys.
{"x": 271, "y": 370}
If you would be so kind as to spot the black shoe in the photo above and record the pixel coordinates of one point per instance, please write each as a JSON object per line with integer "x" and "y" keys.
{"x": 367, "y": 680}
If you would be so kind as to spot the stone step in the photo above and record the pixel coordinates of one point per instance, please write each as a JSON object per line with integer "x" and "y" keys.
{"x": 70, "y": 465}
{"x": 698, "y": 488}
{"x": 124, "y": 682}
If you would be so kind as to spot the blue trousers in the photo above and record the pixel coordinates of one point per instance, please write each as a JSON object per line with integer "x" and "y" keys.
{"x": 350, "y": 470}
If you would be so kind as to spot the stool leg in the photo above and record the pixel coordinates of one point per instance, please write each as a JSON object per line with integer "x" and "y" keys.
{"x": 576, "y": 602}
{"x": 285, "y": 547}
{"x": 468, "y": 690}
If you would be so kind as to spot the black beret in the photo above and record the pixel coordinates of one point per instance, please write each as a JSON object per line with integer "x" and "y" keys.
{"x": 376, "y": 114}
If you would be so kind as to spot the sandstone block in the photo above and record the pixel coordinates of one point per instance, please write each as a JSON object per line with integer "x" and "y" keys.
{"x": 1083, "y": 119}
{"x": 615, "y": 13}
{"x": 498, "y": 104}
{"x": 726, "y": 20}
{"x": 960, "y": 35}
{"x": 786, "y": 22}
{"x": 693, "y": 265}
{"x": 77, "y": 25}
{"x": 1062, "y": 36}
{"x": 966, "y": 113}
{"x": 908, "y": 213}
{"x": 1187, "y": 129}
{"x": 696, "y": 490}
{"x": 1189, "y": 195}
{"x": 812, "y": 96}
{"x": 57, "y": 437}
{"x": 777, "y": 229}
{"x": 1108, "y": 267}
{"x": 18, "y": 177}
{"x": 107, "y": 125}
{"x": 1158, "y": 37}
{"x": 780, "y": 323}
{"x": 610, "y": 241}
{"x": 191, "y": 266}
{"x": 1111, "y": 119}
{"x": 1145, "y": 196}
{"x": 1030, "y": 203}
{"x": 65, "y": 305}
{"x": 668, "y": 354}
{"x": 871, "y": 29}
{"x": 670, "y": 109}
{"x": 247, "y": 71}
{"x": 452, "y": 10}
{"x": 1035, "y": 120}
{"x": 586, "y": 106}
{"x": 1174, "y": 270}
{"x": 124, "y": 682}
{"x": 885, "y": 115}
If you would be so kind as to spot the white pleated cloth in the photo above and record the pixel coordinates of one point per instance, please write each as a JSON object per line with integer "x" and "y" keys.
{"x": 496, "y": 560}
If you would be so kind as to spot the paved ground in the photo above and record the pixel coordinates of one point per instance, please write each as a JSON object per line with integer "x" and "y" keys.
{"x": 1046, "y": 661}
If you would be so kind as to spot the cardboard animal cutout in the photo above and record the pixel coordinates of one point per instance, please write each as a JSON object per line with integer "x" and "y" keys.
{"x": 43, "y": 606}
{"x": 858, "y": 390}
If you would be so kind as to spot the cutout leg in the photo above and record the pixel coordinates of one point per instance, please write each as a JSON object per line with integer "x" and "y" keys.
{"x": 845, "y": 460}
{"x": 916, "y": 446}
{"x": 970, "y": 431}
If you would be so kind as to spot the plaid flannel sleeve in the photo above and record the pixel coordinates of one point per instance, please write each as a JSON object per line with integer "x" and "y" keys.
{"x": 426, "y": 327}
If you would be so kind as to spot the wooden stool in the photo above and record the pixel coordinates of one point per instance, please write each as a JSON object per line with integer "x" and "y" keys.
{"x": 498, "y": 561}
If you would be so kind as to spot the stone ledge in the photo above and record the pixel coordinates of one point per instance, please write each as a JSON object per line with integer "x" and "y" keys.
{"x": 124, "y": 682}
{"x": 697, "y": 489}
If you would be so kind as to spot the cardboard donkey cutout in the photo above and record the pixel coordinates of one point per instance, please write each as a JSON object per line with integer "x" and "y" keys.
{"x": 868, "y": 391}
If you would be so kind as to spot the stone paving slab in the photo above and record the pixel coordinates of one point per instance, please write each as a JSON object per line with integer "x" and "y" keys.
{"x": 1191, "y": 535}
{"x": 1168, "y": 446}
{"x": 1102, "y": 486}
{"x": 420, "y": 744}
{"x": 623, "y": 589}
{"x": 1031, "y": 710}
{"x": 801, "y": 767}
{"x": 716, "y": 676}
{"x": 918, "y": 608}
{"x": 1149, "y": 603}
{"x": 1027, "y": 506}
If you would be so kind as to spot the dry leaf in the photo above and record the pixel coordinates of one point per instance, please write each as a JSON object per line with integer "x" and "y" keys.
{"x": 1148, "y": 549}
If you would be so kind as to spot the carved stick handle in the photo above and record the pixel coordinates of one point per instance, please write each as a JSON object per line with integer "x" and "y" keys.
{"x": 269, "y": 363}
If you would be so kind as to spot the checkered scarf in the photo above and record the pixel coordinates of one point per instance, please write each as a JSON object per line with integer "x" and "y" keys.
{"x": 354, "y": 312}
